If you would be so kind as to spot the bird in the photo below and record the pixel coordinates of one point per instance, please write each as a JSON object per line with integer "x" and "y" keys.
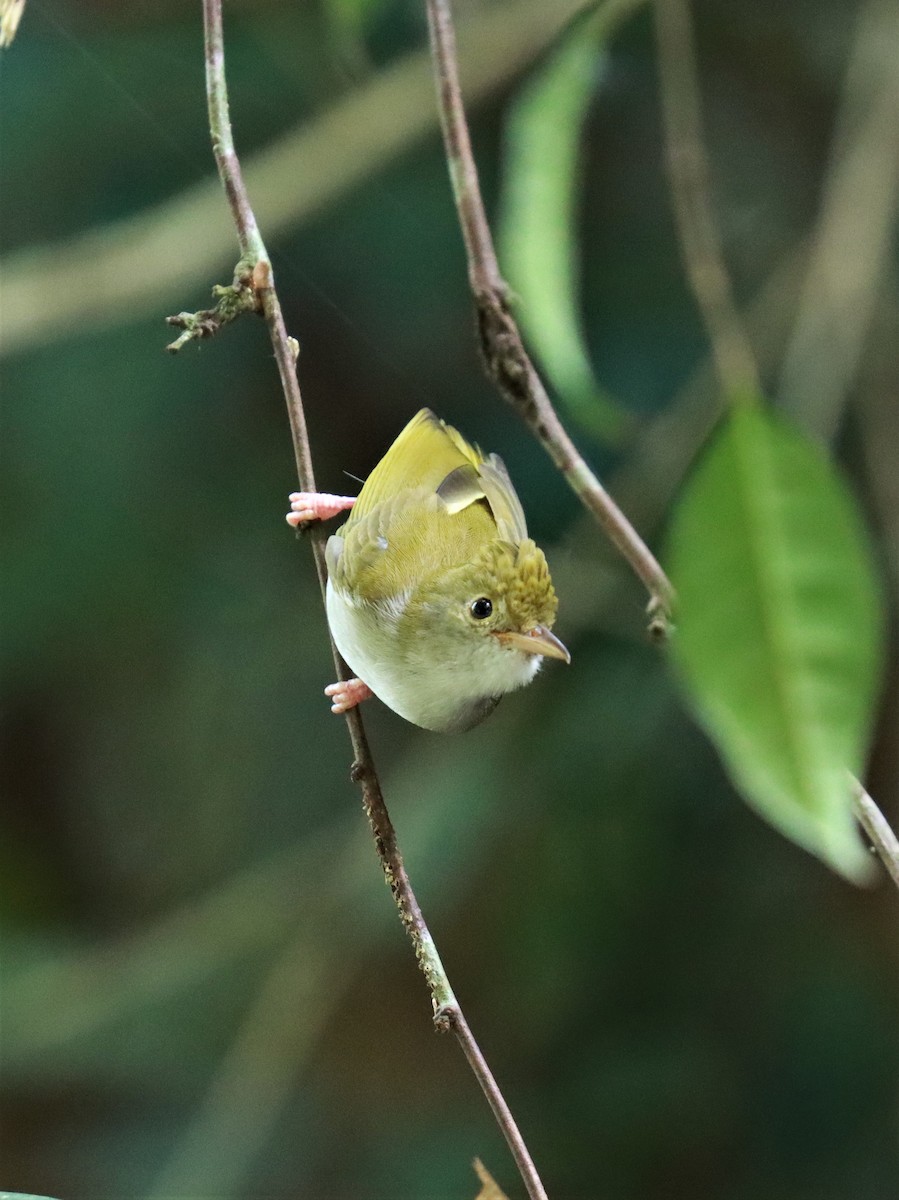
{"x": 437, "y": 598}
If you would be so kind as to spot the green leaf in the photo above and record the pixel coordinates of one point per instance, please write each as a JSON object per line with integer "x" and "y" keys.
{"x": 538, "y": 241}
{"x": 779, "y": 629}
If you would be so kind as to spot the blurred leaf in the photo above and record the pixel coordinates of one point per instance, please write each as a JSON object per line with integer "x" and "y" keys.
{"x": 537, "y": 227}
{"x": 779, "y": 628}
{"x": 354, "y": 16}
{"x": 490, "y": 1189}
{"x": 10, "y": 16}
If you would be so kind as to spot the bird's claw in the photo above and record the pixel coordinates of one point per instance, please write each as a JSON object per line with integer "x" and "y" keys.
{"x": 347, "y": 693}
{"x": 316, "y": 506}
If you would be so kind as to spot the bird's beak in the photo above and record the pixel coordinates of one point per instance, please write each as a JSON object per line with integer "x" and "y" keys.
{"x": 538, "y": 640}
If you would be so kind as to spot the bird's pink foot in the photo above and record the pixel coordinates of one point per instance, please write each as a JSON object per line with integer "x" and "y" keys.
{"x": 347, "y": 694}
{"x": 316, "y": 506}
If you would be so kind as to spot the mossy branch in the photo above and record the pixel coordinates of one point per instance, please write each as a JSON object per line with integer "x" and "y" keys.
{"x": 233, "y": 299}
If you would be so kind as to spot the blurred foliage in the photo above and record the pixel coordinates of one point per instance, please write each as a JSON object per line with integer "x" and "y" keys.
{"x": 207, "y": 991}
{"x": 20, "y": 1196}
{"x": 538, "y": 228}
{"x": 779, "y": 630}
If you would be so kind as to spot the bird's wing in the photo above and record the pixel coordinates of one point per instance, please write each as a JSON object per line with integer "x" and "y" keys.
{"x": 489, "y": 481}
{"x": 431, "y": 504}
{"x": 503, "y": 500}
{"x": 402, "y": 541}
{"x": 423, "y": 455}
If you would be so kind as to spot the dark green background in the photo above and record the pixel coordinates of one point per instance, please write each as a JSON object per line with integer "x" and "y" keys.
{"x": 206, "y": 992}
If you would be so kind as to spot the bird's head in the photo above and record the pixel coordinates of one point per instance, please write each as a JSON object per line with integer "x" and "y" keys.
{"x": 499, "y": 604}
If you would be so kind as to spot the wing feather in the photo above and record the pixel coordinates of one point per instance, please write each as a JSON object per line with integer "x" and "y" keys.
{"x": 431, "y": 503}
{"x": 503, "y": 500}
{"x": 422, "y": 456}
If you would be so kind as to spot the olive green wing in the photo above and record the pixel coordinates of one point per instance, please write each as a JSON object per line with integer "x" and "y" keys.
{"x": 431, "y": 504}
{"x": 503, "y": 500}
{"x": 422, "y": 456}
{"x": 403, "y": 541}
{"x": 487, "y": 480}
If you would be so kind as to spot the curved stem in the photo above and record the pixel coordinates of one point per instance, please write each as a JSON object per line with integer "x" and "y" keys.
{"x": 877, "y": 828}
{"x": 507, "y": 361}
{"x": 447, "y": 1012}
{"x": 523, "y": 1160}
{"x": 688, "y": 172}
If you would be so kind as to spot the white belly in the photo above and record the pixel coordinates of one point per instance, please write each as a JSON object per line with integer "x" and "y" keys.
{"x": 445, "y": 696}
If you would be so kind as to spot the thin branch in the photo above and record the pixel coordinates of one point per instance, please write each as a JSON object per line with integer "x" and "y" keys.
{"x": 122, "y": 270}
{"x": 850, "y": 256}
{"x": 877, "y": 828}
{"x": 704, "y": 261}
{"x": 238, "y": 297}
{"x": 447, "y": 1012}
{"x": 504, "y": 1118}
{"x": 688, "y": 170}
{"x": 507, "y": 361}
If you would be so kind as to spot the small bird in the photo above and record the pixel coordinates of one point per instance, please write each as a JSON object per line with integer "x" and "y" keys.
{"x": 437, "y": 598}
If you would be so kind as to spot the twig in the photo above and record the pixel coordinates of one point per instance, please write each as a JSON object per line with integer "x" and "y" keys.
{"x": 877, "y": 828}
{"x": 849, "y": 262}
{"x": 507, "y": 361}
{"x": 504, "y": 1119}
{"x": 122, "y": 270}
{"x": 239, "y": 297}
{"x": 704, "y": 262}
{"x": 447, "y": 1012}
{"x": 688, "y": 170}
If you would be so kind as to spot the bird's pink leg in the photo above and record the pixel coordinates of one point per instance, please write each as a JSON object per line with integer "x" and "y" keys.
{"x": 347, "y": 694}
{"x": 316, "y": 506}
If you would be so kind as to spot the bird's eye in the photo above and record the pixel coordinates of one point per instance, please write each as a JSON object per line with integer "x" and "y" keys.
{"x": 481, "y": 608}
